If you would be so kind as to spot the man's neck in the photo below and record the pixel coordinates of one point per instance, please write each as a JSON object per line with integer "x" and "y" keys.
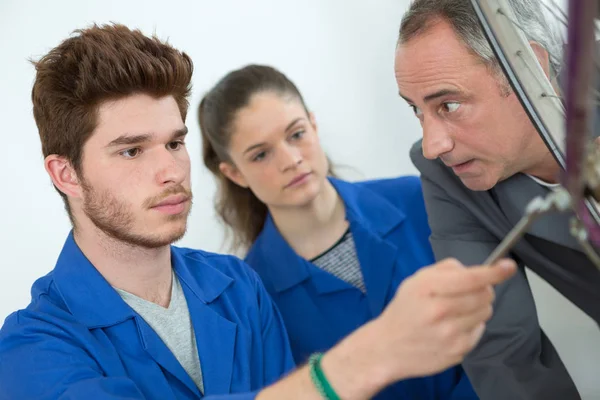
{"x": 312, "y": 229}
{"x": 546, "y": 169}
{"x": 144, "y": 272}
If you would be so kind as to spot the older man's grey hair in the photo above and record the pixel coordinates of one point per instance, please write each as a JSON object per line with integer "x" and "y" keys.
{"x": 531, "y": 16}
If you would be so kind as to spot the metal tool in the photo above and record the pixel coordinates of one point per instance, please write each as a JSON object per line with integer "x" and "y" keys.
{"x": 558, "y": 200}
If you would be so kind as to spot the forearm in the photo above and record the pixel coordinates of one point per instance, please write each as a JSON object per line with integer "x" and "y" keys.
{"x": 351, "y": 367}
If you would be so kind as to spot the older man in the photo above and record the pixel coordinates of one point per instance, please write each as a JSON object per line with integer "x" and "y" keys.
{"x": 481, "y": 162}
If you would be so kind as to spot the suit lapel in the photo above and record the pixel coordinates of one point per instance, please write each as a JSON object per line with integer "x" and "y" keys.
{"x": 515, "y": 193}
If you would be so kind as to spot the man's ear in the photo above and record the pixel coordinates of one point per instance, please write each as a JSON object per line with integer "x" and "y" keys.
{"x": 542, "y": 56}
{"x": 63, "y": 175}
{"x": 233, "y": 174}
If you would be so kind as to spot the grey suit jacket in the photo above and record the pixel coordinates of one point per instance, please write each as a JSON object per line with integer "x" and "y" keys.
{"x": 514, "y": 360}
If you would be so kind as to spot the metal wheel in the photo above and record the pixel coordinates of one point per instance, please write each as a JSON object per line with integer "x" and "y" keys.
{"x": 563, "y": 120}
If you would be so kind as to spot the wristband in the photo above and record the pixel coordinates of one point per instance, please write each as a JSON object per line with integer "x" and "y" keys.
{"x": 318, "y": 378}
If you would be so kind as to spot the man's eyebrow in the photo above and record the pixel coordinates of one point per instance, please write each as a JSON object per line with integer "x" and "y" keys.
{"x": 440, "y": 93}
{"x": 180, "y": 132}
{"x": 127, "y": 139}
{"x": 435, "y": 95}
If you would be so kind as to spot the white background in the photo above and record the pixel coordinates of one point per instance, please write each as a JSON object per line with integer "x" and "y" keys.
{"x": 338, "y": 52}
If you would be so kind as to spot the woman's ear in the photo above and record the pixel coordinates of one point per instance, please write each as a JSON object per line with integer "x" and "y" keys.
{"x": 233, "y": 174}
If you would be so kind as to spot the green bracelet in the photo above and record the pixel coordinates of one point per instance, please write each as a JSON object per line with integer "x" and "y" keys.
{"x": 319, "y": 379}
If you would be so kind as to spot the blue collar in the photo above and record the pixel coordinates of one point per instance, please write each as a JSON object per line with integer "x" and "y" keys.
{"x": 368, "y": 208}
{"x": 91, "y": 299}
{"x": 365, "y": 209}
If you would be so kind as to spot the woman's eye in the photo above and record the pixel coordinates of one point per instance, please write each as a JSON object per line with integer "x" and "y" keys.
{"x": 260, "y": 156}
{"x": 298, "y": 135}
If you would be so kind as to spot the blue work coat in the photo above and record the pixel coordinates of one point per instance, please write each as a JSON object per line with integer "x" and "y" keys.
{"x": 79, "y": 340}
{"x": 389, "y": 225}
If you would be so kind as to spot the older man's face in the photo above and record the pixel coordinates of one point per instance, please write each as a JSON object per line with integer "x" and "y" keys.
{"x": 470, "y": 118}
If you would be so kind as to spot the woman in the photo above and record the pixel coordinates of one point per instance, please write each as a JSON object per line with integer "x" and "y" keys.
{"x": 331, "y": 253}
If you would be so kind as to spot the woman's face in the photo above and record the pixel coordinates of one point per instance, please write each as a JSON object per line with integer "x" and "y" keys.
{"x": 275, "y": 151}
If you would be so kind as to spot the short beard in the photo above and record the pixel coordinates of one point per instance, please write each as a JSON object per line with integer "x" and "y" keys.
{"x": 116, "y": 221}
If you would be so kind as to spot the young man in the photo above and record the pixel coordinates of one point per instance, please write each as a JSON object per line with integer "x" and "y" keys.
{"x": 124, "y": 314}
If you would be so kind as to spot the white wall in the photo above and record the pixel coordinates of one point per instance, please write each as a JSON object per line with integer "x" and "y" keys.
{"x": 339, "y": 52}
{"x": 344, "y": 70}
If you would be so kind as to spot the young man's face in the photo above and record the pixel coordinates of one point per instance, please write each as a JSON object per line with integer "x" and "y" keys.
{"x": 135, "y": 175}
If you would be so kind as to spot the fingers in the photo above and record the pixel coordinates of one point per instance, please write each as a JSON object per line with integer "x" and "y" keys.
{"x": 462, "y": 335}
{"x": 476, "y": 335}
{"x": 465, "y": 342}
{"x": 450, "y": 280}
{"x": 456, "y": 306}
{"x": 469, "y": 321}
{"x": 449, "y": 264}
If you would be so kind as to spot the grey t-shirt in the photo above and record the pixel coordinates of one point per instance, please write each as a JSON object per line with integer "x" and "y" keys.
{"x": 173, "y": 325}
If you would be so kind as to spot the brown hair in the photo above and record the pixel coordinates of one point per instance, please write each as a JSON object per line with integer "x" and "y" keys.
{"x": 237, "y": 207}
{"x": 100, "y": 63}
